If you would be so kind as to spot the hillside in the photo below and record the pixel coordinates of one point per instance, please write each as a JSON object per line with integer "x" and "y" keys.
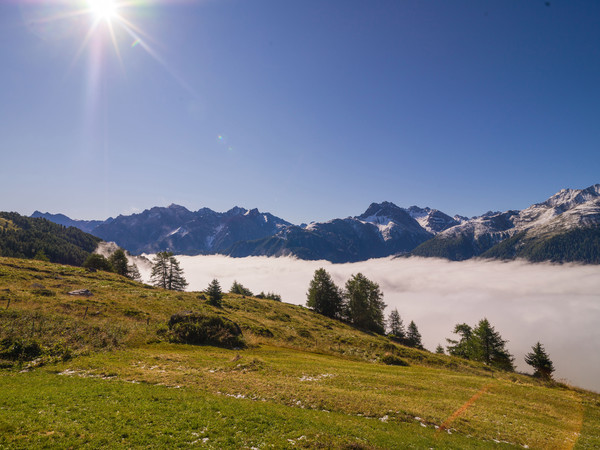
{"x": 25, "y": 237}
{"x": 74, "y": 365}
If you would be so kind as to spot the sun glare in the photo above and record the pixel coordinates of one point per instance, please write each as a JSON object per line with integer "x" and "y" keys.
{"x": 103, "y": 9}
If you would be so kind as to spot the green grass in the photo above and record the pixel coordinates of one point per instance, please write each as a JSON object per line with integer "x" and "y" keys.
{"x": 45, "y": 410}
{"x": 109, "y": 377}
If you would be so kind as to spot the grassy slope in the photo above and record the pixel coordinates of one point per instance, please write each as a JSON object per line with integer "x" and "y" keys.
{"x": 304, "y": 380}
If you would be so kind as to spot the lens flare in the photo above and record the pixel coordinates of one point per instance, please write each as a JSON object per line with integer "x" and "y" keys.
{"x": 103, "y": 9}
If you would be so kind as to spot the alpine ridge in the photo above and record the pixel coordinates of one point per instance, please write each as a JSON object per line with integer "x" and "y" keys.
{"x": 565, "y": 227}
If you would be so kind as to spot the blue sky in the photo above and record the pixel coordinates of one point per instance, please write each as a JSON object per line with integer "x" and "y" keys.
{"x": 307, "y": 109}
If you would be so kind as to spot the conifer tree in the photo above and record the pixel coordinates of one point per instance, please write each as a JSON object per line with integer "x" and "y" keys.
{"x": 40, "y": 255}
{"x": 540, "y": 361}
{"x": 463, "y": 348}
{"x": 323, "y": 296}
{"x": 214, "y": 293}
{"x": 133, "y": 273}
{"x": 237, "y": 288}
{"x": 118, "y": 260}
{"x": 490, "y": 347}
{"x": 440, "y": 350}
{"x": 166, "y": 272}
{"x": 364, "y": 304}
{"x": 395, "y": 326}
{"x": 413, "y": 337}
{"x": 482, "y": 343}
{"x": 97, "y": 262}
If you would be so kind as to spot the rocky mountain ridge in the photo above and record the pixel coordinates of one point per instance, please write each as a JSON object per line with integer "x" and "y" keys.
{"x": 384, "y": 229}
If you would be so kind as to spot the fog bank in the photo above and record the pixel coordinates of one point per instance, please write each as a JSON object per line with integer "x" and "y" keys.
{"x": 559, "y": 305}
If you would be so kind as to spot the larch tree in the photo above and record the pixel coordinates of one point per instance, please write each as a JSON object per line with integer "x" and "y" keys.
{"x": 540, "y": 361}
{"x": 134, "y": 273}
{"x": 464, "y": 347}
{"x": 490, "y": 348}
{"x": 413, "y": 337}
{"x": 323, "y": 296}
{"x": 364, "y": 304}
{"x": 166, "y": 272}
{"x": 395, "y": 326}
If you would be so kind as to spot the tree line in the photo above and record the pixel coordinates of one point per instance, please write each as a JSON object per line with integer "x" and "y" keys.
{"x": 37, "y": 238}
{"x": 117, "y": 262}
{"x": 361, "y": 304}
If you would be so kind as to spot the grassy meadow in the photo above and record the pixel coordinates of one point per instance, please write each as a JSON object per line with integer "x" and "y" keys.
{"x": 96, "y": 371}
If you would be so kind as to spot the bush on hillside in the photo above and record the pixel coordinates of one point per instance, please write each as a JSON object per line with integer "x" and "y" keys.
{"x": 269, "y": 296}
{"x": 204, "y": 329}
{"x": 392, "y": 360}
{"x": 17, "y": 349}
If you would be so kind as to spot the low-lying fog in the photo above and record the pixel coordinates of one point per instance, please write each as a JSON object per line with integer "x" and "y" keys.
{"x": 559, "y": 305}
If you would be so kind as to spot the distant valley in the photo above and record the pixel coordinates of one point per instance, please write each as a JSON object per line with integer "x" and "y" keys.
{"x": 565, "y": 227}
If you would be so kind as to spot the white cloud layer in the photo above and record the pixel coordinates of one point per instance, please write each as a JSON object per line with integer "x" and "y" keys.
{"x": 559, "y": 305}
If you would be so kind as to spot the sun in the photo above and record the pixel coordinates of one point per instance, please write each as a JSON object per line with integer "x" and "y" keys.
{"x": 103, "y": 9}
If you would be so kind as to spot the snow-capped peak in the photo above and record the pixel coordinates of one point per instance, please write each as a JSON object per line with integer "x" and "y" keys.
{"x": 568, "y": 198}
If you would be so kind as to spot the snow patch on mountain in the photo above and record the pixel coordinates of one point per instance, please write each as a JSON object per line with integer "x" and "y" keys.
{"x": 210, "y": 239}
{"x": 385, "y": 230}
{"x": 174, "y": 232}
{"x": 567, "y": 209}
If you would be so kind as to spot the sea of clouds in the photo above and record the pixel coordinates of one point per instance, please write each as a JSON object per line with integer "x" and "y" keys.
{"x": 558, "y": 305}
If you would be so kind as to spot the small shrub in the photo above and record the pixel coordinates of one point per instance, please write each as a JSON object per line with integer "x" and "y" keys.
{"x": 261, "y": 331}
{"x": 19, "y": 350}
{"x": 162, "y": 330}
{"x": 60, "y": 350}
{"x": 269, "y": 296}
{"x": 198, "y": 329}
{"x": 302, "y": 332}
{"x": 392, "y": 360}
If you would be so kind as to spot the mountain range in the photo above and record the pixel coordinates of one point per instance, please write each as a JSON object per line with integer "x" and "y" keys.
{"x": 565, "y": 227}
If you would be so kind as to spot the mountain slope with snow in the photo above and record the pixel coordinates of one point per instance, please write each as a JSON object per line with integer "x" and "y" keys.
{"x": 567, "y": 210}
{"x": 383, "y": 229}
{"x": 559, "y": 228}
{"x": 179, "y": 230}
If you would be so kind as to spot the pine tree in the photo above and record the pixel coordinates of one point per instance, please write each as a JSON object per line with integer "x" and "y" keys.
{"x": 413, "y": 337}
{"x": 166, "y": 272}
{"x": 364, "y": 304}
{"x": 540, "y": 361}
{"x": 440, "y": 350}
{"x": 395, "y": 326}
{"x": 118, "y": 260}
{"x": 490, "y": 347}
{"x": 214, "y": 293}
{"x": 323, "y": 296}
